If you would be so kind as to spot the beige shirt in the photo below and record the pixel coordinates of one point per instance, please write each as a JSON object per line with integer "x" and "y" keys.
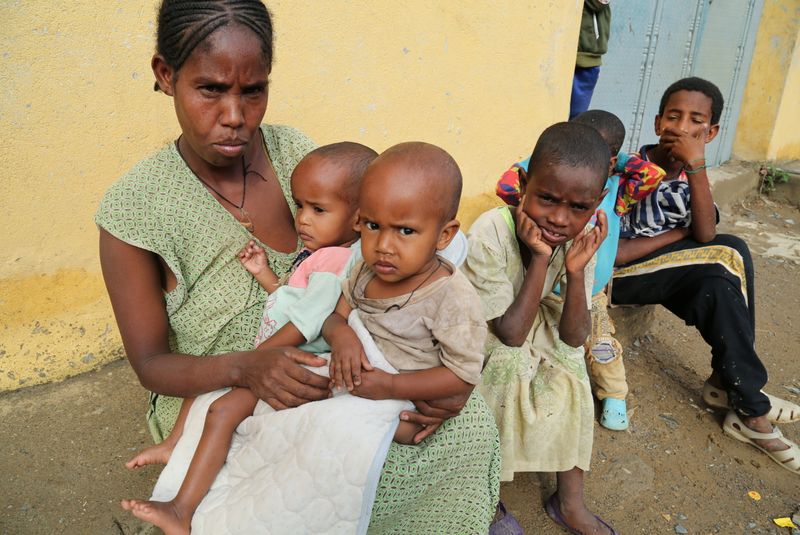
{"x": 440, "y": 324}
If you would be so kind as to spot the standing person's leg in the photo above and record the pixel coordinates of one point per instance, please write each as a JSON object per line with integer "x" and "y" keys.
{"x": 583, "y": 83}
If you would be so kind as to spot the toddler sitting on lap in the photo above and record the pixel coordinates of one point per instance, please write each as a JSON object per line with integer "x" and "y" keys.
{"x": 422, "y": 312}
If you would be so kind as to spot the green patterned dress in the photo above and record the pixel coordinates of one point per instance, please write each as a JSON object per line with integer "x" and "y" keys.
{"x": 449, "y": 484}
{"x": 539, "y": 392}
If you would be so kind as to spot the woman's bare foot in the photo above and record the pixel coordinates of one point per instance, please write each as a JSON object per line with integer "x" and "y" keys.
{"x": 165, "y": 515}
{"x": 158, "y": 454}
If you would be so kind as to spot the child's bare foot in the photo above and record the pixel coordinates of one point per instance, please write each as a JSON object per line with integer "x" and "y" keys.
{"x": 158, "y": 454}
{"x": 165, "y": 515}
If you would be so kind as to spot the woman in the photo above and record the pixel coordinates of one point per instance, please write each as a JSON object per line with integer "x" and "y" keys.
{"x": 169, "y": 233}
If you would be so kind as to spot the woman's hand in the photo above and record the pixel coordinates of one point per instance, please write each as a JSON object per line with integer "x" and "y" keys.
{"x": 276, "y": 375}
{"x": 530, "y": 234}
{"x": 586, "y": 244}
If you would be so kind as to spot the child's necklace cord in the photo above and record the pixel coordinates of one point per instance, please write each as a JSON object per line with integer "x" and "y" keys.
{"x": 435, "y": 268}
{"x": 244, "y": 218}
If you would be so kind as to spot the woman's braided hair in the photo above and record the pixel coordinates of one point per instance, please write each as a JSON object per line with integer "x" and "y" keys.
{"x": 183, "y": 24}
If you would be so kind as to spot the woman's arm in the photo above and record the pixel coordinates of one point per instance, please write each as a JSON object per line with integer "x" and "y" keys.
{"x": 631, "y": 249}
{"x": 133, "y": 278}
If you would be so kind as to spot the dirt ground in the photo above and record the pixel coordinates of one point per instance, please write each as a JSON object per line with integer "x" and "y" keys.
{"x": 63, "y": 445}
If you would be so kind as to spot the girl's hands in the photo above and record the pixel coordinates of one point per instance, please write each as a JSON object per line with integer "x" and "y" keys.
{"x": 585, "y": 245}
{"x": 347, "y": 360}
{"x": 684, "y": 147}
{"x": 254, "y": 258}
{"x": 375, "y": 384}
{"x": 530, "y": 234}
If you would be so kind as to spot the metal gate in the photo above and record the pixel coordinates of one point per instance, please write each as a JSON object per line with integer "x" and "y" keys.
{"x": 656, "y": 42}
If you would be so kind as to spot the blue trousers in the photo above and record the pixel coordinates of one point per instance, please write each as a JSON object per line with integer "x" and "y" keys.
{"x": 582, "y": 88}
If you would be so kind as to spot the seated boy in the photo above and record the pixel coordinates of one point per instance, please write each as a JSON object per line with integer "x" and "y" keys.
{"x": 631, "y": 179}
{"x": 702, "y": 277}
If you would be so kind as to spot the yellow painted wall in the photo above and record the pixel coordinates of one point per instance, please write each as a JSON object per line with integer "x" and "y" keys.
{"x": 77, "y": 109}
{"x": 770, "y": 111}
{"x": 785, "y": 143}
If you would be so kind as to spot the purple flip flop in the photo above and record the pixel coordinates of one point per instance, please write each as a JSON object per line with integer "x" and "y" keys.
{"x": 506, "y": 525}
{"x": 554, "y": 512}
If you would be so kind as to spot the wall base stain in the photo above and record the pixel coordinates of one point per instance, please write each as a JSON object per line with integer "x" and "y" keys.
{"x": 53, "y": 327}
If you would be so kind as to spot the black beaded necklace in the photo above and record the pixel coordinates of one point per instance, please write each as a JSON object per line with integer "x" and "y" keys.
{"x": 244, "y": 216}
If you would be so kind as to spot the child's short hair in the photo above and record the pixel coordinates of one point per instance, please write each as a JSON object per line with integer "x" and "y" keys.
{"x": 442, "y": 172}
{"x": 354, "y": 158}
{"x": 574, "y": 145}
{"x": 696, "y": 84}
{"x": 607, "y": 124}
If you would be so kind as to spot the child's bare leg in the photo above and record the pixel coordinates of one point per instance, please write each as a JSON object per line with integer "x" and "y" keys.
{"x": 405, "y": 432}
{"x": 569, "y": 497}
{"x": 160, "y": 453}
{"x": 224, "y": 415}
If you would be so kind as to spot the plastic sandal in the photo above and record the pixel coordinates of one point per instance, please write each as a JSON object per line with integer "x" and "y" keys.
{"x": 506, "y": 525}
{"x": 615, "y": 414}
{"x": 782, "y": 411}
{"x": 788, "y": 459}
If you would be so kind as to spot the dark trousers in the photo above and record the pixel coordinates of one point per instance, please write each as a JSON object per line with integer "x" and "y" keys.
{"x": 583, "y": 83}
{"x": 706, "y": 294}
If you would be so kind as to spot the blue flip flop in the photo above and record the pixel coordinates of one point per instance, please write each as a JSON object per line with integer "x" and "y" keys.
{"x": 554, "y": 512}
{"x": 615, "y": 414}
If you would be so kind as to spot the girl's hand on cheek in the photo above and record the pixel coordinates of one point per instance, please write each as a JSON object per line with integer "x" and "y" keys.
{"x": 586, "y": 244}
{"x": 530, "y": 234}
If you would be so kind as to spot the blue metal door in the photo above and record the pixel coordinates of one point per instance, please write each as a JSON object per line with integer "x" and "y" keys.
{"x": 656, "y": 42}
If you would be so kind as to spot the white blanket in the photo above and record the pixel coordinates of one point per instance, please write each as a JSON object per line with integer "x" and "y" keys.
{"x": 311, "y": 469}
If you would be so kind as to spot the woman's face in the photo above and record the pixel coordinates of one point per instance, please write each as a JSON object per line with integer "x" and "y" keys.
{"x": 220, "y": 95}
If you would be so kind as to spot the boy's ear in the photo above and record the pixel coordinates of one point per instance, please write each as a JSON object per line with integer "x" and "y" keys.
{"x": 612, "y": 164}
{"x": 523, "y": 180}
{"x": 356, "y": 222}
{"x": 165, "y": 75}
{"x": 448, "y": 233}
{"x": 601, "y": 197}
{"x": 712, "y": 133}
{"x": 657, "y": 125}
